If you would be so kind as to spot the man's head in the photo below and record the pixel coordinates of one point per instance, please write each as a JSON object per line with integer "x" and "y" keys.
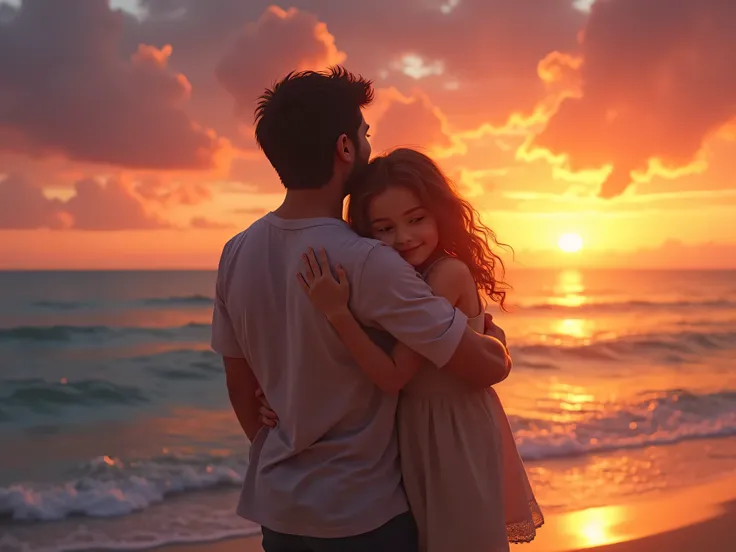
{"x": 311, "y": 128}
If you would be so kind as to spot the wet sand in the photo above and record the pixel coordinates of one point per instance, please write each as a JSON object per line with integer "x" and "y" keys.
{"x": 697, "y": 518}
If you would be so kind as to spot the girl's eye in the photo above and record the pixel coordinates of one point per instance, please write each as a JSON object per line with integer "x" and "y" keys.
{"x": 383, "y": 230}
{"x": 416, "y": 219}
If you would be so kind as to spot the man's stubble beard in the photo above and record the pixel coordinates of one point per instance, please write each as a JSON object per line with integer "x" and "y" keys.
{"x": 356, "y": 175}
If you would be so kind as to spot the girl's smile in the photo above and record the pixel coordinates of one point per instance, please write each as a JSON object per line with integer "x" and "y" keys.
{"x": 400, "y": 220}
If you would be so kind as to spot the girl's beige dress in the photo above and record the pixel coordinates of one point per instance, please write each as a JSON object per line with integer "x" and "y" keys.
{"x": 466, "y": 484}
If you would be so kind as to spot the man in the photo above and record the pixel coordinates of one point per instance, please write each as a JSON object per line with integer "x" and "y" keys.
{"x": 327, "y": 478}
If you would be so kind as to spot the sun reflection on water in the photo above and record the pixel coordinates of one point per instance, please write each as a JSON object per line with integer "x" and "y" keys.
{"x": 573, "y": 327}
{"x": 569, "y": 397}
{"x": 596, "y": 526}
{"x": 569, "y": 289}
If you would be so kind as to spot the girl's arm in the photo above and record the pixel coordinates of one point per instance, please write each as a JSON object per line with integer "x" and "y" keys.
{"x": 450, "y": 279}
{"x": 331, "y": 295}
{"x": 390, "y": 373}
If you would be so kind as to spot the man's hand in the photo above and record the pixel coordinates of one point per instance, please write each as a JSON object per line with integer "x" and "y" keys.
{"x": 492, "y": 329}
{"x": 269, "y": 418}
{"x": 241, "y": 388}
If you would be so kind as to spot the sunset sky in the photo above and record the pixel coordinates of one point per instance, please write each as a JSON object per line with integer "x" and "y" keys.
{"x": 126, "y": 136}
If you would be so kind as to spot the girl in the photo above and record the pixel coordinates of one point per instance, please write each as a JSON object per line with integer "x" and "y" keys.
{"x": 464, "y": 479}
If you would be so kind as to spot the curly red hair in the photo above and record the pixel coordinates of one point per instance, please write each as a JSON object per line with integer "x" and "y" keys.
{"x": 461, "y": 234}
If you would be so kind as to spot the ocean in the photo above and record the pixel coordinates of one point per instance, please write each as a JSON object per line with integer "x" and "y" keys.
{"x": 116, "y": 431}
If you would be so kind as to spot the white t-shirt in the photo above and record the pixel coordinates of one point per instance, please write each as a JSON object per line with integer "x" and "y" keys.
{"x": 330, "y": 469}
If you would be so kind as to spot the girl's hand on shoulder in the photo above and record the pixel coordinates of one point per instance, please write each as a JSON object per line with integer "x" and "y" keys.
{"x": 328, "y": 293}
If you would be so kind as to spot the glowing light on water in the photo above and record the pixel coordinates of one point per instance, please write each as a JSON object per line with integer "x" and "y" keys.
{"x": 596, "y": 526}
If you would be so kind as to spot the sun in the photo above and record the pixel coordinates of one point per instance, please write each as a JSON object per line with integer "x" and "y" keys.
{"x": 570, "y": 243}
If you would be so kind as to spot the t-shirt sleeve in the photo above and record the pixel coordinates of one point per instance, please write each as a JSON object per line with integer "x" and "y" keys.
{"x": 224, "y": 339}
{"x": 391, "y": 295}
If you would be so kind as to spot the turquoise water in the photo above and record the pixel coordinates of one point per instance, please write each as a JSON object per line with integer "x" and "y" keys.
{"x": 116, "y": 431}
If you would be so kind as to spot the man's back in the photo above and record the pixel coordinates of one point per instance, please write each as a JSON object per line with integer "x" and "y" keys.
{"x": 330, "y": 468}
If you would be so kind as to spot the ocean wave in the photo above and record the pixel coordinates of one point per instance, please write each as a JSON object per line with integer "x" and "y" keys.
{"x": 658, "y": 418}
{"x": 62, "y": 305}
{"x": 183, "y": 364}
{"x": 666, "y": 348}
{"x": 39, "y": 395}
{"x": 617, "y": 306}
{"x": 52, "y": 333}
{"x": 175, "y": 300}
{"x": 525, "y": 363}
{"x": 157, "y": 302}
{"x": 111, "y": 487}
{"x": 69, "y": 333}
{"x": 211, "y": 527}
{"x": 553, "y": 304}
{"x": 149, "y": 380}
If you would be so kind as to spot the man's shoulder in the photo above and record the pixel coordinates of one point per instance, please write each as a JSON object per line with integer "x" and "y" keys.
{"x": 381, "y": 254}
{"x": 232, "y": 244}
{"x": 348, "y": 246}
{"x": 371, "y": 257}
{"x": 383, "y": 267}
{"x": 364, "y": 245}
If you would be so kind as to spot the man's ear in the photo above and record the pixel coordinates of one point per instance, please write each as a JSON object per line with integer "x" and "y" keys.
{"x": 344, "y": 148}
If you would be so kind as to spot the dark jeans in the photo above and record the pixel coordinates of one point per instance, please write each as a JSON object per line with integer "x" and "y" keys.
{"x": 397, "y": 535}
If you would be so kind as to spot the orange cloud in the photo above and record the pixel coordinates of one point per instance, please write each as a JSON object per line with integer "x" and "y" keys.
{"x": 204, "y": 223}
{"x": 251, "y": 211}
{"x": 657, "y": 82}
{"x": 559, "y": 68}
{"x": 410, "y": 121}
{"x": 169, "y": 192}
{"x": 479, "y": 59}
{"x": 256, "y": 172}
{"x": 23, "y": 205}
{"x": 65, "y": 90}
{"x": 113, "y": 205}
{"x": 110, "y": 206}
{"x": 476, "y": 61}
{"x": 279, "y": 42}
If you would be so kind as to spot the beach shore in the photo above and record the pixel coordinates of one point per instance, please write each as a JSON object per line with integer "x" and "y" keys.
{"x": 696, "y": 518}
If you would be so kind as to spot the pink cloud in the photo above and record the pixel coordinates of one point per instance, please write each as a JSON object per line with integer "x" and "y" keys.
{"x": 477, "y": 59}
{"x": 279, "y": 42}
{"x": 94, "y": 206}
{"x": 23, "y": 205}
{"x": 64, "y": 89}
{"x": 110, "y": 206}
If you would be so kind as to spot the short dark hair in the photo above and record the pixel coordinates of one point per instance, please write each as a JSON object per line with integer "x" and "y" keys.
{"x": 299, "y": 120}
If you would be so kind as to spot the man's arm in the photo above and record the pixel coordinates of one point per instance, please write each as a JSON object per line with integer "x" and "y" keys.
{"x": 241, "y": 382}
{"x": 241, "y": 388}
{"x": 391, "y": 295}
{"x": 480, "y": 359}
{"x": 452, "y": 280}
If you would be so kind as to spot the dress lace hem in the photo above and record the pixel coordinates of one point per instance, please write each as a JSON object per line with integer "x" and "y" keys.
{"x": 524, "y": 531}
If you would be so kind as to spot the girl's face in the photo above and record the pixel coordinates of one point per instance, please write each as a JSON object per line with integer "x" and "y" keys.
{"x": 400, "y": 220}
